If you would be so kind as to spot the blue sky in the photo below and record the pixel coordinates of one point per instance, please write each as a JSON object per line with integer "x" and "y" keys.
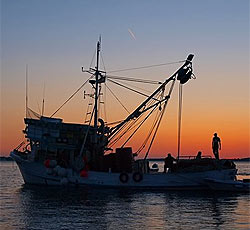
{"x": 56, "y": 37}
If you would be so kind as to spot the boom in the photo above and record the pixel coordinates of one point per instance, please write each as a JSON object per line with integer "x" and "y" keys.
{"x": 183, "y": 74}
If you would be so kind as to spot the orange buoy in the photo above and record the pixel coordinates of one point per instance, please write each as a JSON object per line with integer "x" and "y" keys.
{"x": 84, "y": 173}
{"x": 46, "y": 163}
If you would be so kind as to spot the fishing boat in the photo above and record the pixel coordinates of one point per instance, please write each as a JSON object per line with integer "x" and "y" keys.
{"x": 58, "y": 153}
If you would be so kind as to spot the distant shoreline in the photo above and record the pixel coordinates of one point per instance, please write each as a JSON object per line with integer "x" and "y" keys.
{"x": 6, "y": 159}
{"x": 151, "y": 159}
{"x": 233, "y": 159}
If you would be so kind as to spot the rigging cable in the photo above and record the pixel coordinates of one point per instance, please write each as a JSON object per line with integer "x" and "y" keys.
{"x": 136, "y": 91}
{"x": 130, "y": 127}
{"x": 160, "y": 118}
{"x": 134, "y": 79}
{"x": 156, "y": 129}
{"x": 141, "y": 123}
{"x": 117, "y": 98}
{"x": 149, "y": 135}
{"x": 179, "y": 121}
{"x": 43, "y": 99}
{"x": 149, "y": 66}
{"x": 136, "y": 87}
{"x": 114, "y": 122}
{"x": 72, "y": 96}
{"x": 154, "y": 123}
{"x": 91, "y": 99}
{"x": 86, "y": 134}
{"x": 126, "y": 128}
{"x": 105, "y": 99}
{"x": 102, "y": 62}
{"x": 92, "y": 59}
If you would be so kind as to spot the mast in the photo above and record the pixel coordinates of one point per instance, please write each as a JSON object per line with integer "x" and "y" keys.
{"x": 26, "y": 93}
{"x": 43, "y": 99}
{"x": 96, "y": 86}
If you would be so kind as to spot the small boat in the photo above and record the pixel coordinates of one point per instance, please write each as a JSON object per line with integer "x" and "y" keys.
{"x": 58, "y": 153}
{"x": 229, "y": 185}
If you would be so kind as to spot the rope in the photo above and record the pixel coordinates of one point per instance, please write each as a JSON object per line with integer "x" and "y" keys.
{"x": 137, "y": 88}
{"x": 145, "y": 95}
{"x": 92, "y": 59}
{"x": 114, "y": 123}
{"x": 134, "y": 79}
{"x": 71, "y": 96}
{"x": 102, "y": 62}
{"x": 149, "y": 135}
{"x": 160, "y": 118}
{"x": 117, "y": 99}
{"x": 86, "y": 134}
{"x": 124, "y": 129}
{"x": 91, "y": 99}
{"x": 157, "y": 127}
{"x": 138, "y": 127}
{"x": 151, "y": 130}
{"x": 105, "y": 99}
{"x": 148, "y": 66}
{"x": 179, "y": 121}
{"x": 130, "y": 125}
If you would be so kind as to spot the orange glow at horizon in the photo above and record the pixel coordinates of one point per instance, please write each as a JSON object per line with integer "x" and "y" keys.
{"x": 198, "y": 125}
{"x": 57, "y": 40}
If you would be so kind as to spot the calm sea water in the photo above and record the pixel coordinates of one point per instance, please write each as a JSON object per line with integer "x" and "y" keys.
{"x": 31, "y": 207}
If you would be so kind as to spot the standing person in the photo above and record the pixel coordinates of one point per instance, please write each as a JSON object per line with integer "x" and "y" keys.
{"x": 198, "y": 157}
{"x": 216, "y": 146}
{"x": 169, "y": 161}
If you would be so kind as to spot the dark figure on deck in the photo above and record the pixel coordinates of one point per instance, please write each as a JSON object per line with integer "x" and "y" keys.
{"x": 216, "y": 146}
{"x": 198, "y": 157}
{"x": 169, "y": 161}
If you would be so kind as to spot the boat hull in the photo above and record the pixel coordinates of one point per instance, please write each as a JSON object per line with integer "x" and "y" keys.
{"x": 36, "y": 173}
{"x": 228, "y": 185}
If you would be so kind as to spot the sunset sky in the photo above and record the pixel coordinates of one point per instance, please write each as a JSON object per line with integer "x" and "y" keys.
{"x": 57, "y": 37}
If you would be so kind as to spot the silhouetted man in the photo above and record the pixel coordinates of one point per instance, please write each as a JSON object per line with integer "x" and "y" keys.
{"x": 198, "y": 157}
{"x": 216, "y": 145}
{"x": 169, "y": 161}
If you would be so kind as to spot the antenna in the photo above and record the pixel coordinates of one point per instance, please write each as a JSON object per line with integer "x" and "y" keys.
{"x": 26, "y": 86}
{"x": 43, "y": 99}
{"x": 98, "y": 46}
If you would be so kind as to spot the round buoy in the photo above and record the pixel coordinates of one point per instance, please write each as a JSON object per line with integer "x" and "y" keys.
{"x": 84, "y": 173}
{"x": 137, "y": 177}
{"x": 46, "y": 163}
{"x": 124, "y": 177}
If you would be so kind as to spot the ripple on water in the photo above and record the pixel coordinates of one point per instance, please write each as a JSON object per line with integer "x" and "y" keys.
{"x": 31, "y": 207}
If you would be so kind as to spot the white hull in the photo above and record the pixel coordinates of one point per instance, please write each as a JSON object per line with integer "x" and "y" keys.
{"x": 228, "y": 185}
{"x": 35, "y": 173}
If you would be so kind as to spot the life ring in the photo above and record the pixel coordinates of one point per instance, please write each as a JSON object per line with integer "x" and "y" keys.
{"x": 124, "y": 177}
{"x": 137, "y": 177}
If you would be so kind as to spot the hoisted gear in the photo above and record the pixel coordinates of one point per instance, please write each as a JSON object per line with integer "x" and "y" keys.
{"x": 185, "y": 74}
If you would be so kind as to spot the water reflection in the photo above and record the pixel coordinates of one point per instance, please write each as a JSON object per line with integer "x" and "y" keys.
{"x": 32, "y": 207}
{"x": 116, "y": 209}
